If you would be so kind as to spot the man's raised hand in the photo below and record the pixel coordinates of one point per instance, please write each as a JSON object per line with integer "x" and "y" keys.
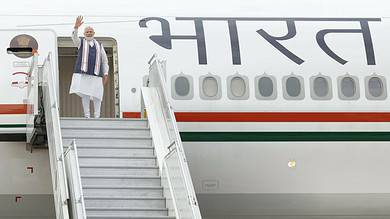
{"x": 79, "y": 22}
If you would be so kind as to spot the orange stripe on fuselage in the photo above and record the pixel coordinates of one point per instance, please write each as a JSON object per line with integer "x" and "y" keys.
{"x": 13, "y": 108}
{"x": 131, "y": 115}
{"x": 276, "y": 116}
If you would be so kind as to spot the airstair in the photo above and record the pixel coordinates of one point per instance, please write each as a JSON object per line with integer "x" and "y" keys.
{"x": 114, "y": 168}
{"x": 118, "y": 167}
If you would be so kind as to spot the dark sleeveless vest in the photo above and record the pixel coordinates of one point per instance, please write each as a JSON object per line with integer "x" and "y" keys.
{"x": 91, "y": 60}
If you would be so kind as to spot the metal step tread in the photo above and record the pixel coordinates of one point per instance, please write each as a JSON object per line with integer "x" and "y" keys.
{"x": 119, "y": 167}
{"x": 112, "y": 147}
{"x": 125, "y": 209}
{"x": 120, "y": 176}
{"x": 104, "y": 133}
{"x": 94, "y": 128}
{"x": 114, "y": 143}
{"x": 106, "y": 137}
{"x": 122, "y": 198}
{"x": 117, "y": 156}
{"x": 120, "y": 187}
{"x": 129, "y": 217}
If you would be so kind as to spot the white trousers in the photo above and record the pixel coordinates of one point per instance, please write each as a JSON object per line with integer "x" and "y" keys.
{"x": 85, "y": 99}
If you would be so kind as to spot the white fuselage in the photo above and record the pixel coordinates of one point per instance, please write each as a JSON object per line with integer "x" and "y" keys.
{"x": 328, "y": 154}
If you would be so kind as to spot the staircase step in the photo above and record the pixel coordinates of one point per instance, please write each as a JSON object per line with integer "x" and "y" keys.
{"x": 118, "y": 167}
{"x": 129, "y": 151}
{"x": 119, "y": 170}
{"x": 130, "y": 217}
{"x": 69, "y": 122}
{"x": 117, "y": 160}
{"x": 112, "y": 133}
{"x": 109, "y": 142}
{"x": 124, "y": 201}
{"x": 125, "y": 211}
{"x": 115, "y": 190}
{"x": 120, "y": 180}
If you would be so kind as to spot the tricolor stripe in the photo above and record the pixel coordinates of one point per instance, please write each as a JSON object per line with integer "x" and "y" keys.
{"x": 13, "y": 108}
{"x": 134, "y": 115}
{"x": 276, "y": 116}
{"x": 282, "y": 136}
{"x": 13, "y": 125}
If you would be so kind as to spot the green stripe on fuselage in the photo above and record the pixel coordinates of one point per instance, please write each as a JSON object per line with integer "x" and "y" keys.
{"x": 12, "y": 125}
{"x": 284, "y": 136}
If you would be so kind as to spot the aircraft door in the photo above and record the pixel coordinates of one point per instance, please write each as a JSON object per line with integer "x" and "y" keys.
{"x": 70, "y": 104}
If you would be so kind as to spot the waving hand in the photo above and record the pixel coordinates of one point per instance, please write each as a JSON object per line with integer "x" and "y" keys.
{"x": 79, "y": 22}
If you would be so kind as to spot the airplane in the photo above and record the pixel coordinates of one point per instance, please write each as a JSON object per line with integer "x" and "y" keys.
{"x": 280, "y": 117}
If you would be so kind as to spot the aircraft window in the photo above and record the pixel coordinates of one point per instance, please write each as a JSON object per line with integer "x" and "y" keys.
{"x": 182, "y": 87}
{"x": 293, "y": 86}
{"x": 375, "y": 88}
{"x": 210, "y": 87}
{"x": 294, "y": 89}
{"x": 321, "y": 87}
{"x": 348, "y": 88}
{"x": 238, "y": 88}
{"x": 265, "y": 87}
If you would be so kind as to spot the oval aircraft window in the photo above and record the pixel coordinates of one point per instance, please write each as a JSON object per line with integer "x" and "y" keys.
{"x": 321, "y": 87}
{"x": 265, "y": 86}
{"x": 238, "y": 87}
{"x": 210, "y": 87}
{"x": 182, "y": 86}
{"x": 348, "y": 87}
{"x": 293, "y": 87}
{"x": 375, "y": 87}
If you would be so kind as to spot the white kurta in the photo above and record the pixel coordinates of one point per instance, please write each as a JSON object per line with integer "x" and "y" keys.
{"x": 84, "y": 84}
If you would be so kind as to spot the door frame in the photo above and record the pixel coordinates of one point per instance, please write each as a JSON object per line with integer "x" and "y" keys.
{"x": 108, "y": 42}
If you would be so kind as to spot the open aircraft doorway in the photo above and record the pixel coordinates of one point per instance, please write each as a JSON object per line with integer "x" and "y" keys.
{"x": 70, "y": 104}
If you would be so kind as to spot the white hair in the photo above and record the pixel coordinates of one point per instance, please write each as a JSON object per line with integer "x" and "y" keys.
{"x": 88, "y": 27}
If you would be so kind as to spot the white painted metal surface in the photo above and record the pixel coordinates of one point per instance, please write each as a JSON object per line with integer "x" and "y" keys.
{"x": 57, "y": 161}
{"x": 74, "y": 182}
{"x": 31, "y": 96}
{"x": 174, "y": 164}
{"x": 209, "y": 160}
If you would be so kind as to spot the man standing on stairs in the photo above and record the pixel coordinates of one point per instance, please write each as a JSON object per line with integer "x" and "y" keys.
{"x": 91, "y": 69}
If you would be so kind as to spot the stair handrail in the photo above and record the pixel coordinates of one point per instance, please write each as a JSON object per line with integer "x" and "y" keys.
{"x": 74, "y": 182}
{"x": 175, "y": 140}
{"x": 32, "y": 78}
{"x": 54, "y": 137}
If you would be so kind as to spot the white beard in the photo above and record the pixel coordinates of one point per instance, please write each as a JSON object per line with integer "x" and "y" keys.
{"x": 89, "y": 38}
